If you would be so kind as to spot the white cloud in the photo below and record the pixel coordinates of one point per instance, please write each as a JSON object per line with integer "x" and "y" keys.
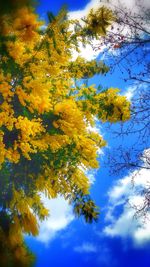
{"x": 86, "y": 52}
{"x": 130, "y": 92}
{"x": 127, "y": 196}
{"x": 103, "y": 254}
{"x": 82, "y": 13}
{"x": 86, "y": 248}
{"x": 143, "y": 234}
{"x": 60, "y": 217}
{"x": 133, "y": 90}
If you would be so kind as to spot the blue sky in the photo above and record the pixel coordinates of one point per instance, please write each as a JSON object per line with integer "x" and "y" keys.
{"x": 117, "y": 240}
{"x": 73, "y": 5}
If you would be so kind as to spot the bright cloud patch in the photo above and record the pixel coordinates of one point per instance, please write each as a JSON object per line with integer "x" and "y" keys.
{"x": 130, "y": 92}
{"x": 60, "y": 216}
{"x": 124, "y": 198}
{"x": 86, "y": 248}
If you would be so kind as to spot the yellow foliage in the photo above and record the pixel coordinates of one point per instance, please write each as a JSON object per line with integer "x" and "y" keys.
{"x": 45, "y": 117}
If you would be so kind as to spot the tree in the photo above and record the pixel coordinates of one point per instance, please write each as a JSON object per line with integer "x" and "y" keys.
{"x": 129, "y": 38}
{"x": 45, "y": 141}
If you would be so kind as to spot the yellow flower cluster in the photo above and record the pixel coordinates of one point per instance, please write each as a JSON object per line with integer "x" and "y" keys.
{"x": 71, "y": 118}
{"x": 86, "y": 69}
{"x": 114, "y": 107}
{"x": 28, "y": 131}
{"x": 107, "y": 105}
{"x": 99, "y": 20}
